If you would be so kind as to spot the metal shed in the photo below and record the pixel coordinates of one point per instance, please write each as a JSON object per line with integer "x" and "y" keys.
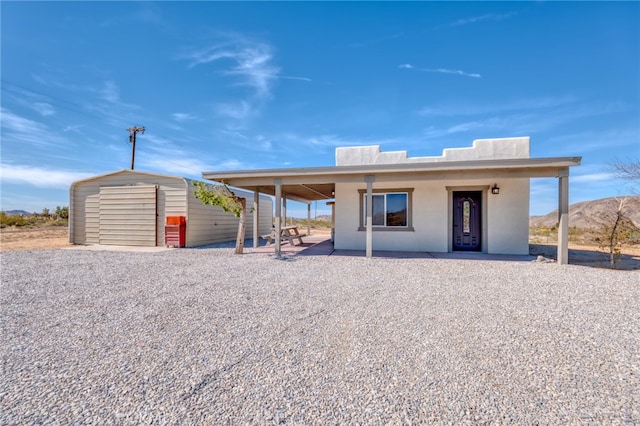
{"x": 130, "y": 207}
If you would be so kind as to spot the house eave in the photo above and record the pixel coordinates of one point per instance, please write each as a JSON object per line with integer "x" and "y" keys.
{"x": 375, "y": 169}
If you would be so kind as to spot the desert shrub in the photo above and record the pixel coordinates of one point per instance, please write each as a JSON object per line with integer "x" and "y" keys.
{"x": 12, "y": 220}
{"x": 315, "y": 224}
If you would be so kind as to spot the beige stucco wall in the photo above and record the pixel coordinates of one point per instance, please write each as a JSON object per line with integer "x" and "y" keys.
{"x": 506, "y": 222}
{"x": 505, "y": 217}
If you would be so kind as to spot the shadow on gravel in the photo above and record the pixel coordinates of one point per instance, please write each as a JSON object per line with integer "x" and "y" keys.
{"x": 590, "y": 258}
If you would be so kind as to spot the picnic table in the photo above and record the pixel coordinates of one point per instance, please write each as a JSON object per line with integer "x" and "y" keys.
{"x": 287, "y": 233}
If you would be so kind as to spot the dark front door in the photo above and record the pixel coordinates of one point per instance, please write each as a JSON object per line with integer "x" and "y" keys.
{"x": 466, "y": 220}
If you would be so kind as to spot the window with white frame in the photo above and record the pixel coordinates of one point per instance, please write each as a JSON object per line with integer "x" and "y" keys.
{"x": 391, "y": 209}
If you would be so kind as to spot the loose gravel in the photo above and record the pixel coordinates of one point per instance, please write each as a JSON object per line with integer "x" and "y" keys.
{"x": 207, "y": 337}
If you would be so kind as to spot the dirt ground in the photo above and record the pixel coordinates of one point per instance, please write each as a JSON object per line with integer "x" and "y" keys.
{"x": 53, "y": 237}
{"x": 12, "y": 238}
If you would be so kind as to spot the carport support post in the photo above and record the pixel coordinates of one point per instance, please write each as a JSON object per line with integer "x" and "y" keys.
{"x": 309, "y": 218}
{"x": 369, "y": 179}
{"x": 278, "y": 227}
{"x": 284, "y": 209}
{"x": 256, "y": 216}
{"x": 563, "y": 217}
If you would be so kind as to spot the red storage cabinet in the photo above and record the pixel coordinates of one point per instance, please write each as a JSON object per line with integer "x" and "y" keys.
{"x": 175, "y": 231}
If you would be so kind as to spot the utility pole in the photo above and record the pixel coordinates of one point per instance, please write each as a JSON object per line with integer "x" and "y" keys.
{"x": 132, "y": 140}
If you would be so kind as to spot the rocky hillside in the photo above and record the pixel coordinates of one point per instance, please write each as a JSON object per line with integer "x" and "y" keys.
{"x": 589, "y": 214}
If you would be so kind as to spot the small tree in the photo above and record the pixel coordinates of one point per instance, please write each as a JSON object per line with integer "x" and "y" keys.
{"x": 616, "y": 230}
{"x": 629, "y": 171}
{"x": 223, "y": 197}
{"x": 62, "y": 212}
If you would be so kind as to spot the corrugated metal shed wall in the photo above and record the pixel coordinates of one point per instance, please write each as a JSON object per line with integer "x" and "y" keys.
{"x": 205, "y": 224}
{"x": 128, "y": 215}
{"x": 85, "y": 202}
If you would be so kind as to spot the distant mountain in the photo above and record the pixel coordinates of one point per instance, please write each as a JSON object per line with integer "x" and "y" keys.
{"x": 20, "y": 212}
{"x": 587, "y": 214}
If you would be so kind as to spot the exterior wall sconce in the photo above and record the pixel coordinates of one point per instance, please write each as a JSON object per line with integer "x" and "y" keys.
{"x": 494, "y": 189}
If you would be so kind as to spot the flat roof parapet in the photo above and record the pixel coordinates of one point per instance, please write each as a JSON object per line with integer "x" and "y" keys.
{"x": 482, "y": 149}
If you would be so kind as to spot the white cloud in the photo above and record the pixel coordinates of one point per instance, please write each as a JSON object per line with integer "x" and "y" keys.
{"x": 180, "y": 166}
{"x": 181, "y": 116}
{"x": 44, "y": 108}
{"x": 110, "y": 92}
{"x": 75, "y": 129}
{"x": 466, "y": 108}
{"x": 20, "y": 129}
{"x": 164, "y": 156}
{"x": 479, "y": 18}
{"x": 251, "y": 62}
{"x": 40, "y": 177}
{"x": 526, "y": 121}
{"x": 231, "y": 164}
{"x": 440, "y": 71}
{"x": 287, "y": 77}
{"x": 587, "y": 141}
{"x": 592, "y": 178}
{"x": 238, "y": 110}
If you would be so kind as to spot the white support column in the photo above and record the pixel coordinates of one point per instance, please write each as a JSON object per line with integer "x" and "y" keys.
{"x": 284, "y": 209}
{"x": 309, "y": 218}
{"x": 256, "y": 216}
{"x": 369, "y": 245}
{"x": 563, "y": 217}
{"x": 278, "y": 225}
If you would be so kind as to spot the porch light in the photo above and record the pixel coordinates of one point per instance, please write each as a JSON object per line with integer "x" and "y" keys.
{"x": 495, "y": 189}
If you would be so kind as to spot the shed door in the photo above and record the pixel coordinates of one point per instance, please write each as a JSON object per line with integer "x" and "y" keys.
{"x": 128, "y": 215}
{"x": 466, "y": 220}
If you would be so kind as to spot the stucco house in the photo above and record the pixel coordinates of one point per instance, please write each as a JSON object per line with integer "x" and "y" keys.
{"x": 467, "y": 199}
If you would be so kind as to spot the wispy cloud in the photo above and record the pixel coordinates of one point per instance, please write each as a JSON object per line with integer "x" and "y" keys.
{"x": 148, "y": 14}
{"x": 251, "y": 62}
{"x": 165, "y": 156}
{"x": 39, "y": 176}
{"x": 440, "y": 70}
{"x": 110, "y": 92}
{"x": 517, "y": 119}
{"x": 41, "y": 104}
{"x": 19, "y": 129}
{"x": 182, "y": 116}
{"x": 44, "y": 109}
{"x": 593, "y": 178}
{"x": 468, "y": 109}
{"x": 589, "y": 141}
{"x": 238, "y": 110}
{"x": 288, "y": 77}
{"x": 479, "y": 18}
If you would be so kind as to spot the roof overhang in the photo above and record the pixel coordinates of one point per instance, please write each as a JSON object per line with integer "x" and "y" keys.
{"x": 318, "y": 183}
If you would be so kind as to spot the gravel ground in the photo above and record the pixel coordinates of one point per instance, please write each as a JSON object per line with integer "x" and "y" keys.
{"x": 205, "y": 337}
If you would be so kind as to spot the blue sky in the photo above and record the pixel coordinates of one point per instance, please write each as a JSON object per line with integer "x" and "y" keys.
{"x": 228, "y": 85}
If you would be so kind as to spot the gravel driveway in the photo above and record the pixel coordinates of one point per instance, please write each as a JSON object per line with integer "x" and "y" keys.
{"x": 205, "y": 337}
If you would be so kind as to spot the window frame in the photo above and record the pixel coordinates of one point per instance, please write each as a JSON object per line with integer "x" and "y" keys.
{"x": 362, "y": 194}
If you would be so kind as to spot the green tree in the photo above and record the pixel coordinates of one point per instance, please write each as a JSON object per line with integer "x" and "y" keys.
{"x": 223, "y": 197}
{"x": 62, "y": 212}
